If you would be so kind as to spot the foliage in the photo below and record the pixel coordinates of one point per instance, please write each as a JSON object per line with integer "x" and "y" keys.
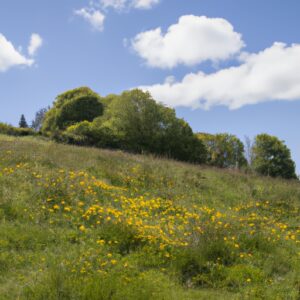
{"x": 11, "y": 130}
{"x": 84, "y": 223}
{"x": 134, "y": 121}
{"x": 23, "y": 123}
{"x": 81, "y": 104}
{"x": 272, "y": 157}
{"x": 224, "y": 150}
{"x": 86, "y": 133}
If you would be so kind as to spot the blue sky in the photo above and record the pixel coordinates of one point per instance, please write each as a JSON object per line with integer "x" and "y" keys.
{"x": 248, "y": 84}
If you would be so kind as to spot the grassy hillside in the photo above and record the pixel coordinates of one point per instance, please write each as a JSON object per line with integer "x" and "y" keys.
{"x": 82, "y": 223}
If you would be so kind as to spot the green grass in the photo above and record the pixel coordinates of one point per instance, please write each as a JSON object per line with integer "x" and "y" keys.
{"x": 84, "y": 223}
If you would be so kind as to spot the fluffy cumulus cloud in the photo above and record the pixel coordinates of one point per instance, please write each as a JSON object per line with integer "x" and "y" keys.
{"x": 94, "y": 17}
{"x": 192, "y": 40}
{"x": 10, "y": 56}
{"x": 35, "y": 43}
{"x": 272, "y": 74}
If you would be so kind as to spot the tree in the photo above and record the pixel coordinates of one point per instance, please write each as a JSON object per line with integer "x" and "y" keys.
{"x": 71, "y": 107}
{"x": 37, "y": 123}
{"x": 135, "y": 122}
{"x": 132, "y": 121}
{"x": 224, "y": 150}
{"x": 23, "y": 123}
{"x": 271, "y": 157}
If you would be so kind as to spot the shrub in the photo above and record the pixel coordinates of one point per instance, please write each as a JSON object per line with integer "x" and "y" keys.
{"x": 14, "y": 131}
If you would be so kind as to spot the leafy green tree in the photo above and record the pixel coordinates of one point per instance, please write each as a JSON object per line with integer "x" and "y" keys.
{"x": 272, "y": 157}
{"x": 179, "y": 141}
{"x": 84, "y": 108}
{"x": 81, "y": 104}
{"x": 224, "y": 150}
{"x": 23, "y": 123}
{"x": 132, "y": 121}
{"x": 135, "y": 122}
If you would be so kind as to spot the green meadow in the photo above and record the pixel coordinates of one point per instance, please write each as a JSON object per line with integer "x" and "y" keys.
{"x": 86, "y": 223}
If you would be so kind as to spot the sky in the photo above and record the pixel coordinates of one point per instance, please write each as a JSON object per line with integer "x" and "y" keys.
{"x": 224, "y": 65}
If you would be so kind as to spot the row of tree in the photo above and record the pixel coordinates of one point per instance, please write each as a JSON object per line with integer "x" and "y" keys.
{"x": 134, "y": 122}
{"x": 267, "y": 155}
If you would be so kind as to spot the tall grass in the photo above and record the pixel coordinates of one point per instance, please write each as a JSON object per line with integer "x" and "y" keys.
{"x": 83, "y": 223}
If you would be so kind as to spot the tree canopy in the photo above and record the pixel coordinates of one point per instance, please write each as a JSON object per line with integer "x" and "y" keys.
{"x": 81, "y": 104}
{"x": 224, "y": 150}
{"x": 133, "y": 121}
{"x": 272, "y": 157}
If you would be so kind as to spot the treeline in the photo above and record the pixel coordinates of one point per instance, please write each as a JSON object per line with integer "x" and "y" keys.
{"x": 14, "y": 131}
{"x": 132, "y": 121}
{"x": 135, "y": 122}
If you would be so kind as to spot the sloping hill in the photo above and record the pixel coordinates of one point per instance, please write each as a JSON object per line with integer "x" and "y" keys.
{"x": 83, "y": 223}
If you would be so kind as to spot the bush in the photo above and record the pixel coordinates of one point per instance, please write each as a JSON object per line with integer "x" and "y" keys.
{"x": 240, "y": 275}
{"x": 14, "y": 131}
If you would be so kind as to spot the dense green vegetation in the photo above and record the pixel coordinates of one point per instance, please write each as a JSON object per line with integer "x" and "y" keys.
{"x": 11, "y": 130}
{"x": 85, "y": 223}
{"x": 224, "y": 150}
{"x": 272, "y": 158}
{"x": 72, "y": 107}
{"x": 133, "y": 121}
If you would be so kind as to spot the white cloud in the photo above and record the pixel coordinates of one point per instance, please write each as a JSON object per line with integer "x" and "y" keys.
{"x": 191, "y": 41}
{"x": 272, "y": 74}
{"x": 10, "y": 57}
{"x": 94, "y": 17}
{"x": 94, "y": 12}
{"x": 35, "y": 43}
{"x": 144, "y": 4}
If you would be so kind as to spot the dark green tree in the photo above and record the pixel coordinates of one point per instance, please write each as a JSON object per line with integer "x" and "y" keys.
{"x": 23, "y": 123}
{"x": 271, "y": 157}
